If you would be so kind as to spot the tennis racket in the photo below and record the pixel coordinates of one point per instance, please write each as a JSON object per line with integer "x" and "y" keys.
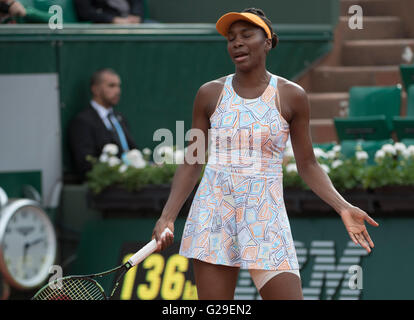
{"x": 86, "y": 287}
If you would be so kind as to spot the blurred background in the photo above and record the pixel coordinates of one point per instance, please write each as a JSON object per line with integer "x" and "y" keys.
{"x": 353, "y": 57}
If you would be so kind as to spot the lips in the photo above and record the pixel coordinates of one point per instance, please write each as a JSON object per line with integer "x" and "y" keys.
{"x": 240, "y": 56}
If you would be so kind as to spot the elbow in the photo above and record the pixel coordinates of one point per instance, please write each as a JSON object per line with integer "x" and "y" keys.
{"x": 305, "y": 166}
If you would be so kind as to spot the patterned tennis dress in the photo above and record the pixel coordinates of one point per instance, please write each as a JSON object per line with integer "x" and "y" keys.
{"x": 238, "y": 216}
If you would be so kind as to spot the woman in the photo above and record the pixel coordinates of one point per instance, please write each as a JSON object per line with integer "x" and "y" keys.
{"x": 238, "y": 218}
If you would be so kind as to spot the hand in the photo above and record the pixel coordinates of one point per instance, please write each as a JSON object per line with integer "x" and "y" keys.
{"x": 134, "y": 19}
{"x": 17, "y": 10}
{"x": 120, "y": 20}
{"x": 354, "y": 221}
{"x": 168, "y": 238}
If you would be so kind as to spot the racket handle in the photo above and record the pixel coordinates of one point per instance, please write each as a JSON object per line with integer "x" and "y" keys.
{"x": 144, "y": 252}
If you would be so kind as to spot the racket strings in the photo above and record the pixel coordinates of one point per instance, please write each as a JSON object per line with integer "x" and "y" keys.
{"x": 72, "y": 289}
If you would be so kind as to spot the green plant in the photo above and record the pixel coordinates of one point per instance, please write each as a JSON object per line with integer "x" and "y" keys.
{"x": 347, "y": 173}
{"x": 134, "y": 171}
{"x": 291, "y": 177}
{"x": 394, "y": 166}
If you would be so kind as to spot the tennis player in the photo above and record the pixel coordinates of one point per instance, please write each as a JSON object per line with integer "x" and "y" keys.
{"x": 238, "y": 217}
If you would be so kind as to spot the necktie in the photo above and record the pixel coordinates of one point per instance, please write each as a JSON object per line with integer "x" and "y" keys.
{"x": 117, "y": 126}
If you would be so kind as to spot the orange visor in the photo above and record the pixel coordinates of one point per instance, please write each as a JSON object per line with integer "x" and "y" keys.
{"x": 223, "y": 24}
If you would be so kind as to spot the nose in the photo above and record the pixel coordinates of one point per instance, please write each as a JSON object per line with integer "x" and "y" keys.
{"x": 237, "y": 42}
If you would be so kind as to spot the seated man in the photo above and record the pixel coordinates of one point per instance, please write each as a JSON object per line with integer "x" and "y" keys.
{"x": 110, "y": 11}
{"x": 98, "y": 124}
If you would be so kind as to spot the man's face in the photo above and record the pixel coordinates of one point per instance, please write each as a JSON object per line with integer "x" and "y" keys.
{"x": 108, "y": 90}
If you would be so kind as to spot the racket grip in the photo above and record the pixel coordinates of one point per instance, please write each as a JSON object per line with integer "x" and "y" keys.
{"x": 144, "y": 252}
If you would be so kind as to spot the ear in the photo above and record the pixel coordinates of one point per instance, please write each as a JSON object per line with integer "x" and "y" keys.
{"x": 268, "y": 45}
{"x": 94, "y": 90}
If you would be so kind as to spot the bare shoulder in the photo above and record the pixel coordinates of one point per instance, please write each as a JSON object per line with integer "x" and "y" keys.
{"x": 294, "y": 98}
{"x": 212, "y": 87}
{"x": 209, "y": 93}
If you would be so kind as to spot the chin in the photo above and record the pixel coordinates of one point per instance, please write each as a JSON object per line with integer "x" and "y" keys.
{"x": 244, "y": 67}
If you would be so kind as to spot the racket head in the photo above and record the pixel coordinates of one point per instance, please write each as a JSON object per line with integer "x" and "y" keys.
{"x": 71, "y": 288}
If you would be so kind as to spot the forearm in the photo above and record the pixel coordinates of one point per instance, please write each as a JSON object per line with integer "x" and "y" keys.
{"x": 320, "y": 183}
{"x": 35, "y": 15}
{"x": 184, "y": 180}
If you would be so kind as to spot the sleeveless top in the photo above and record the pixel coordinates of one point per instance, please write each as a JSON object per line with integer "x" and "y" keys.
{"x": 238, "y": 216}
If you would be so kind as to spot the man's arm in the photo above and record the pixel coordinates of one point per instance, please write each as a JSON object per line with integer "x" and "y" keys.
{"x": 81, "y": 142}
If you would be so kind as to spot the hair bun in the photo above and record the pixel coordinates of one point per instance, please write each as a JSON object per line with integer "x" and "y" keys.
{"x": 256, "y": 11}
{"x": 275, "y": 40}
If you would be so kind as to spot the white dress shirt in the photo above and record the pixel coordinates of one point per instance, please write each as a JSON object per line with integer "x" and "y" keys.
{"x": 103, "y": 113}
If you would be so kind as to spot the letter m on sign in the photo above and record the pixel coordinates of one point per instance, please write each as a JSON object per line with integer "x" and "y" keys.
{"x": 330, "y": 278}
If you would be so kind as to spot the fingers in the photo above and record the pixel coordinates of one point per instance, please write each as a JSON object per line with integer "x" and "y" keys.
{"x": 164, "y": 240}
{"x": 353, "y": 237}
{"x": 363, "y": 239}
{"x": 371, "y": 221}
{"x": 368, "y": 238}
{"x": 362, "y": 242}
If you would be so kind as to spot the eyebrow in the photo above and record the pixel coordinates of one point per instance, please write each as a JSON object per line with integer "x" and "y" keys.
{"x": 246, "y": 28}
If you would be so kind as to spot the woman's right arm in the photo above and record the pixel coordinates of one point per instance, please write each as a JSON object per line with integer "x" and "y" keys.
{"x": 187, "y": 174}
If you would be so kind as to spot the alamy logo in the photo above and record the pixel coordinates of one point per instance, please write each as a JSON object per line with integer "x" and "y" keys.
{"x": 55, "y": 280}
{"x": 56, "y": 20}
{"x": 330, "y": 278}
{"x": 356, "y": 20}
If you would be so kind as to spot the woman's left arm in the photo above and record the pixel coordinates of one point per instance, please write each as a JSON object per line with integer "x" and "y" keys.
{"x": 313, "y": 174}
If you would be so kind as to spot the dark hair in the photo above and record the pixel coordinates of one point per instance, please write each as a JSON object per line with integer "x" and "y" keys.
{"x": 260, "y": 13}
{"x": 97, "y": 76}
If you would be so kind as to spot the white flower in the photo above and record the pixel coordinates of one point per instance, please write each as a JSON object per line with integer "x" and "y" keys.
{"x": 380, "y": 154}
{"x": 113, "y": 161}
{"x": 123, "y": 168}
{"x": 134, "y": 158}
{"x": 361, "y": 155}
{"x": 331, "y": 154}
{"x": 164, "y": 154}
{"x": 288, "y": 152}
{"x": 388, "y": 148}
{"x": 406, "y": 154}
{"x": 139, "y": 163}
{"x": 325, "y": 168}
{"x": 166, "y": 149}
{"x": 337, "y": 163}
{"x": 146, "y": 151}
{"x": 319, "y": 153}
{"x": 291, "y": 167}
{"x": 103, "y": 158}
{"x": 400, "y": 147}
{"x": 179, "y": 157}
{"x": 410, "y": 149}
{"x": 111, "y": 149}
{"x": 337, "y": 148}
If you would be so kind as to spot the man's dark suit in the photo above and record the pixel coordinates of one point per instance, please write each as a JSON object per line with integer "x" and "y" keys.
{"x": 99, "y": 11}
{"x": 88, "y": 135}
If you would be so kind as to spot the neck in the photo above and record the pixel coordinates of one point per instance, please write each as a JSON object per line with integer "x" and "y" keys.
{"x": 252, "y": 77}
{"x": 102, "y": 103}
